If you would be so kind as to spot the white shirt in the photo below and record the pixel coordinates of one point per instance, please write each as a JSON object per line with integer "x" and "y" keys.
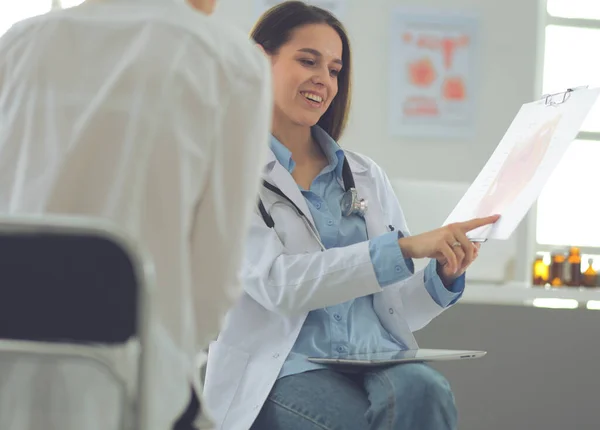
{"x": 153, "y": 116}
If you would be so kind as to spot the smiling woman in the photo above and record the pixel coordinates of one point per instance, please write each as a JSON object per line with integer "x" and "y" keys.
{"x": 324, "y": 276}
{"x": 304, "y": 27}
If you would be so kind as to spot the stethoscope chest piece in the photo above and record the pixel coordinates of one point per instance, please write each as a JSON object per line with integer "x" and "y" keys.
{"x": 351, "y": 204}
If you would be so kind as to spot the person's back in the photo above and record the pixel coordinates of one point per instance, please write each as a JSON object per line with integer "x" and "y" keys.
{"x": 150, "y": 115}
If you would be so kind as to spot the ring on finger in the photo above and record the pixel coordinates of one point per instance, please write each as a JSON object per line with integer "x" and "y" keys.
{"x": 456, "y": 244}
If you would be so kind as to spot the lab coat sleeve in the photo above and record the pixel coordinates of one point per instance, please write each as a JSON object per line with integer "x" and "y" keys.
{"x": 227, "y": 203}
{"x": 294, "y": 283}
{"x": 410, "y": 296}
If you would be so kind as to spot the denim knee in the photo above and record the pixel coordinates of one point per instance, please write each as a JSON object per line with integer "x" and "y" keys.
{"x": 410, "y": 396}
{"x": 426, "y": 383}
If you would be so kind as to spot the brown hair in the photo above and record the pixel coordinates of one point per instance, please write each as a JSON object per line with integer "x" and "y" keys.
{"x": 274, "y": 29}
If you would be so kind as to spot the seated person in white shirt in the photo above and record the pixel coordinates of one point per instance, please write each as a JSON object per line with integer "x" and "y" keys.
{"x": 155, "y": 117}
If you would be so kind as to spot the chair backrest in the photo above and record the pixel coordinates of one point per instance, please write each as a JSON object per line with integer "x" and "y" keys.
{"x": 73, "y": 286}
{"x": 74, "y": 280}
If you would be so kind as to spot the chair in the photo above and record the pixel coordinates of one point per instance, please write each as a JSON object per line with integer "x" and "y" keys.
{"x": 67, "y": 286}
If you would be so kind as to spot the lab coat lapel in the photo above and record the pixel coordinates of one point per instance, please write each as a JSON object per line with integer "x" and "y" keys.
{"x": 365, "y": 187}
{"x": 387, "y": 303}
{"x": 282, "y": 179}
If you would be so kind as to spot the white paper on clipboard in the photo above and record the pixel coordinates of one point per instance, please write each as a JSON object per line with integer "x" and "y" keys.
{"x": 514, "y": 176}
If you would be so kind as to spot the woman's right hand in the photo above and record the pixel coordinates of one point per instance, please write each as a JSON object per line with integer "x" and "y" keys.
{"x": 443, "y": 244}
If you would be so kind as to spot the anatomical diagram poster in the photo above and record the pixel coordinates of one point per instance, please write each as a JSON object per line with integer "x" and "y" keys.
{"x": 433, "y": 74}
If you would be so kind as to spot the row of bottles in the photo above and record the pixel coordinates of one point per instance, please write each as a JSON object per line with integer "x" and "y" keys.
{"x": 565, "y": 269}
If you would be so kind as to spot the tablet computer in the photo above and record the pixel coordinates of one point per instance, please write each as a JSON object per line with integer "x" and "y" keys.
{"x": 394, "y": 357}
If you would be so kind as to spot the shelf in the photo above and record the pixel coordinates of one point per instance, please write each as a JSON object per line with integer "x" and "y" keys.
{"x": 517, "y": 294}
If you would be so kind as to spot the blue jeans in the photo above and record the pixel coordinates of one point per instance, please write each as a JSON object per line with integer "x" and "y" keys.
{"x": 409, "y": 396}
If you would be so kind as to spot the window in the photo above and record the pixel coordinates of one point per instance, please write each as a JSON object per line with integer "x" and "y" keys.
{"x": 70, "y": 3}
{"x": 568, "y": 210}
{"x": 19, "y": 10}
{"x": 574, "y": 9}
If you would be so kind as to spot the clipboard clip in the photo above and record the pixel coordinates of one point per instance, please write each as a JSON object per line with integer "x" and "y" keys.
{"x": 557, "y": 99}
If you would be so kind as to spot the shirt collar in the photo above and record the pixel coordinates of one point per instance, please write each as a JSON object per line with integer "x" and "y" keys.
{"x": 330, "y": 147}
{"x": 333, "y": 152}
{"x": 282, "y": 154}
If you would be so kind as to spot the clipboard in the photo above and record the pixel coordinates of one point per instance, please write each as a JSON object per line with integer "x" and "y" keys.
{"x": 515, "y": 174}
{"x": 562, "y": 97}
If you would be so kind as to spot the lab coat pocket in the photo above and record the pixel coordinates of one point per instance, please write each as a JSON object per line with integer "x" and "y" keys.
{"x": 226, "y": 368}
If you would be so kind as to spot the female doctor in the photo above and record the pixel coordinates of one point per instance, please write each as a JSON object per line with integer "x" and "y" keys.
{"x": 325, "y": 275}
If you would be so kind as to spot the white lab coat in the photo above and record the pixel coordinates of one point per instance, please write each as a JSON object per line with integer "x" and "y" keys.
{"x": 286, "y": 276}
{"x": 153, "y": 116}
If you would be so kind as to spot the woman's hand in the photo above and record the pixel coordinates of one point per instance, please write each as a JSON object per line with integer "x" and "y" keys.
{"x": 447, "y": 275}
{"x": 449, "y": 245}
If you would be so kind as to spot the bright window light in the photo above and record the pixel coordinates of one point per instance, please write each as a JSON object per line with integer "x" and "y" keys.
{"x": 20, "y": 10}
{"x": 589, "y": 9}
{"x": 566, "y": 67}
{"x": 568, "y": 212}
{"x": 552, "y": 303}
{"x": 70, "y": 3}
{"x": 593, "y": 305}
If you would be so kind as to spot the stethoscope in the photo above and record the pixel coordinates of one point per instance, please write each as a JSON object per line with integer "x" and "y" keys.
{"x": 351, "y": 204}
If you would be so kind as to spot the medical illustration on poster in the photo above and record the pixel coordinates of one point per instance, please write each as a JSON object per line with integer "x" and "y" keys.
{"x": 433, "y": 74}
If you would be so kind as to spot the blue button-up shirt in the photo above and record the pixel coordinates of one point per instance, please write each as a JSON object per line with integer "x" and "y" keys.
{"x": 351, "y": 327}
